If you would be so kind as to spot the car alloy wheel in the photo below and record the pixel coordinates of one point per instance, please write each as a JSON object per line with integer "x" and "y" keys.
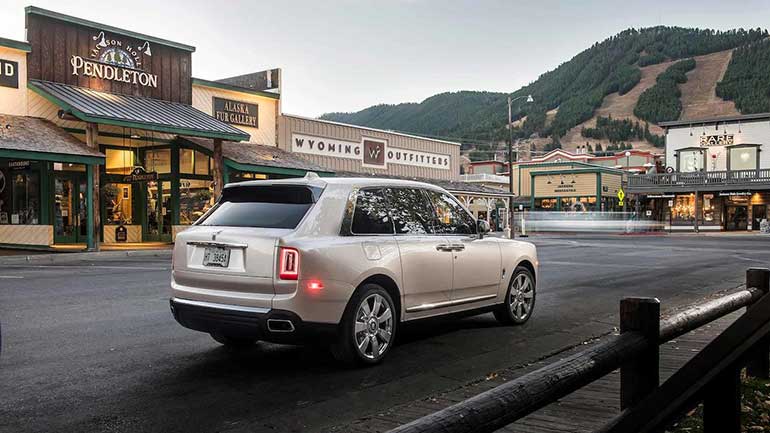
{"x": 521, "y": 297}
{"x": 373, "y": 331}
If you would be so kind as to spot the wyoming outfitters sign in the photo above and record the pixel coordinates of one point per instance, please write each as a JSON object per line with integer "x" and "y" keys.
{"x": 371, "y": 152}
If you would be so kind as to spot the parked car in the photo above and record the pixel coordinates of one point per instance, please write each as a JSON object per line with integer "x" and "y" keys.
{"x": 342, "y": 260}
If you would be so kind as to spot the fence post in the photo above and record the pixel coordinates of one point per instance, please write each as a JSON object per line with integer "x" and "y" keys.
{"x": 758, "y": 364}
{"x": 722, "y": 403}
{"x": 640, "y": 377}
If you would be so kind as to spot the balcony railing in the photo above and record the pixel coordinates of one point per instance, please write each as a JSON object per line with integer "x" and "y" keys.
{"x": 484, "y": 177}
{"x": 701, "y": 178}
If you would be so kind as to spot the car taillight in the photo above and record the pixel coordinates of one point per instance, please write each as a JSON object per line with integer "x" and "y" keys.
{"x": 288, "y": 264}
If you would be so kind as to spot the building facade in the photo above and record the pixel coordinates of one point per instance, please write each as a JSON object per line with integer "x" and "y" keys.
{"x": 717, "y": 175}
{"x": 107, "y": 138}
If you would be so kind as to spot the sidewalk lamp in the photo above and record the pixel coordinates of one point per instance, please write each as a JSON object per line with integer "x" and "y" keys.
{"x": 628, "y": 160}
{"x": 511, "y": 220}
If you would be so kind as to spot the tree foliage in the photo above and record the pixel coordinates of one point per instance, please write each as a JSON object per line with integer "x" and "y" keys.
{"x": 661, "y": 102}
{"x": 746, "y": 81}
{"x": 621, "y": 130}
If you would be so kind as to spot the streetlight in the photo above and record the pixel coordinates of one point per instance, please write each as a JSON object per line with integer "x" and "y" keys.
{"x": 628, "y": 159}
{"x": 510, "y": 160}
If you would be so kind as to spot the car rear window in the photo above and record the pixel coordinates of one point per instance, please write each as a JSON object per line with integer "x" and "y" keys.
{"x": 264, "y": 206}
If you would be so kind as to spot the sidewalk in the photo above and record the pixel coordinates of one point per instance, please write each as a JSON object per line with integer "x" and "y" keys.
{"x": 583, "y": 411}
{"x": 107, "y": 252}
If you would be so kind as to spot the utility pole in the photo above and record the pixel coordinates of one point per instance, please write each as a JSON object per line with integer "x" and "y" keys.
{"x": 511, "y": 219}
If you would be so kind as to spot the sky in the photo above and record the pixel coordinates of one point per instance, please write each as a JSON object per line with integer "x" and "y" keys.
{"x": 346, "y": 55}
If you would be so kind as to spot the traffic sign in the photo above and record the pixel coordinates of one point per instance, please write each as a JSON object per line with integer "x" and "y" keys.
{"x": 621, "y": 194}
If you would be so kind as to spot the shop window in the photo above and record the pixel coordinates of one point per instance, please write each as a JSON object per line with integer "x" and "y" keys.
{"x": 158, "y": 160}
{"x": 684, "y": 209}
{"x": 68, "y": 166}
{"x": 202, "y": 163}
{"x": 19, "y": 197}
{"x": 186, "y": 162}
{"x": 118, "y": 161}
{"x": 118, "y": 203}
{"x": 690, "y": 161}
{"x": 196, "y": 197}
{"x": 545, "y": 204}
{"x": 743, "y": 158}
{"x": 708, "y": 208}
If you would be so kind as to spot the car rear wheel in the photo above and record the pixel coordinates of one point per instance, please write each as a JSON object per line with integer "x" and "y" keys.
{"x": 368, "y": 327}
{"x": 519, "y": 299}
{"x": 233, "y": 342}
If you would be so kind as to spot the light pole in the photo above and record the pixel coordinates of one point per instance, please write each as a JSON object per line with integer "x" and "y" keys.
{"x": 628, "y": 159}
{"x": 511, "y": 221}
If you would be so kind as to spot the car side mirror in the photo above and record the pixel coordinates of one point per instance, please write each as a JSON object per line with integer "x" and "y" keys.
{"x": 482, "y": 227}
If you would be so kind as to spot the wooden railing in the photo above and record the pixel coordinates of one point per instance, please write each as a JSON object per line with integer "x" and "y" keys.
{"x": 731, "y": 177}
{"x": 712, "y": 376}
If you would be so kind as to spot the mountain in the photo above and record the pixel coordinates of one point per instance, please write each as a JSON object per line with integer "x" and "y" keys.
{"x": 641, "y": 76}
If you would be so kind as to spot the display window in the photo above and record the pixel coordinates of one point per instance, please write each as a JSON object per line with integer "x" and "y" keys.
{"x": 690, "y": 160}
{"x": 158, "y": 160}
{"x": 683, "y": 210}
{"x": 19, "y": 192}
{"x": 196, "y": 197}
{"x": 743, "y": 158}
{"x": 119, "y": 161}
{"x": 118, "y": 200}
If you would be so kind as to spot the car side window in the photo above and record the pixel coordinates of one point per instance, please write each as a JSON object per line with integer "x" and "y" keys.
{"x": 371, "y": 216}
{"x": 450, "y": 217}
{"x": 411, "y": 212}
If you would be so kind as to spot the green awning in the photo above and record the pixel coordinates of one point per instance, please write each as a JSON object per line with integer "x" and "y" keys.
{"x": 136, "y": 112}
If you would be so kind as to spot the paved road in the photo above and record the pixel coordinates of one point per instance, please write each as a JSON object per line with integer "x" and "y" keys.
{"x": 91, "y": 345}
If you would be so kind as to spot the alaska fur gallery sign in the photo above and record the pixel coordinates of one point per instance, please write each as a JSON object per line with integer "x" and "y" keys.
{"x": 236, "y": 112}
{"x": 372, "y": 152}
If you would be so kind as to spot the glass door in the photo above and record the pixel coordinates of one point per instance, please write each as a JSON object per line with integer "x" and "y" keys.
{"x": 158, "y": 215}
{"x": 758, "y": 213}
{"x": 70, "y": 209}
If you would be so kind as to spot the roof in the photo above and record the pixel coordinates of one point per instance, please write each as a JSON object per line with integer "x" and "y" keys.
{"x": 138, "y": 112}
{"x": 32, "y": 134}
{"x": 449, "y": 185}
{"x": 738, "y": 118}
{"x": 384, "y": 131}
{"x": 17, "y": 45}
{"x": 259, "y": 154}
{"x": 234, "y": 88}
{"x": 33, "y": 10}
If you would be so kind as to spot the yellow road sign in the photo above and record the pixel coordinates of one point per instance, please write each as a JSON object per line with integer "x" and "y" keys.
{"x": 621, "y": 194}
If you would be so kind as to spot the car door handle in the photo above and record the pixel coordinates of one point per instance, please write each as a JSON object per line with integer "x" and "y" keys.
{"x": 444, "y": 247}
{"x": 457, "y": 247}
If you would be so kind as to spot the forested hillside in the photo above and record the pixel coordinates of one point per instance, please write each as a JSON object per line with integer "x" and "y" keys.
{"x": 574, "y": 90}
{"x": 661, "y": 102}
{"x": 747, "y": 79}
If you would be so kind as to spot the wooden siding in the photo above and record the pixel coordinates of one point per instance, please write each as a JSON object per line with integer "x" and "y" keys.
{"x": 290, "y": 124}
{"x": 612, "y": 183}
{"x": 14, "y": 101}
{"x": 39, "y": 235}
{"x": 584, "y": 185}
{"x": 55, "y": 42}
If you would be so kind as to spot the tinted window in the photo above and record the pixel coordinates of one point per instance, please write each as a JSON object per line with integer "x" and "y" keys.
{"x": 371, "y": 213}
{"x": 411, "y": 212}
{"x": 274, "y": 206}
{"x": 451, "y": 217}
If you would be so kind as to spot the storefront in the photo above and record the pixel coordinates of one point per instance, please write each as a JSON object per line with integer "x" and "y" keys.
{"x": 717, "y": 176}
{"x": 111, "y": 140}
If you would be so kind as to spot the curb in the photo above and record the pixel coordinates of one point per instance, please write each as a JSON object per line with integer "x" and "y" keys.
{"x": 72, "y": 257}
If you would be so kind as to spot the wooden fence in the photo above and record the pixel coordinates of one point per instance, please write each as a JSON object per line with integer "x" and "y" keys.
{"x": 712, "y": 376}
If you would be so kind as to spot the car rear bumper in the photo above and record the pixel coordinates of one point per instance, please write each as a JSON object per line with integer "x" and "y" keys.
{"x": 278, "y": 326}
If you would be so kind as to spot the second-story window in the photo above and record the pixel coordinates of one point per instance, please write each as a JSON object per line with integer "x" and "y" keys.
{"x": 743, "y": 158}
{"x": 690, "y": 160}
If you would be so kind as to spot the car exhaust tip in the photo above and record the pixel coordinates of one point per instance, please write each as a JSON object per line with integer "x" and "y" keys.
{"x": 280, "y": 325}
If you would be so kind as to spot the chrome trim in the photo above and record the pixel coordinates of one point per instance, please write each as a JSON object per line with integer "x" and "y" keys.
{"x": 444, "y": 247}
{"x": 451, "y": 303}
{"x": 217, "y": 244}
{"x": 291, "y": 325}
{"x": 258, "y": 310}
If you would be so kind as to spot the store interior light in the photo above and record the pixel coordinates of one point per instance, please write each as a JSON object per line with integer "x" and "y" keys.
{"x": 136, "y": 136}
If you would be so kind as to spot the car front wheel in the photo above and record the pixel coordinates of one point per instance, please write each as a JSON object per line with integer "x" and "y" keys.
{"x": 368, "y": 327}
{"x": 519, "y": 299}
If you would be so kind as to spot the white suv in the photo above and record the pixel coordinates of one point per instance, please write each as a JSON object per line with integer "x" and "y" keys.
{"x": 342, "y": 259}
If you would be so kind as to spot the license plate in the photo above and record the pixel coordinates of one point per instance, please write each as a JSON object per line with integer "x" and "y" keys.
{"x": 215, "y": 256}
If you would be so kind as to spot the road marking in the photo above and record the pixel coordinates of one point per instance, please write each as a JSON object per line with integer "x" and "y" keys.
{"x": 10, "y": 277}
{"x": 144, "y": 268}
{"x": 545, "y": 263}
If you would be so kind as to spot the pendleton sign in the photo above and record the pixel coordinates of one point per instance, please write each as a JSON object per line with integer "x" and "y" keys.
{"x": 115, "y": 60}
{"x": 235, "y": 112}
{"x": 371, "y": 152}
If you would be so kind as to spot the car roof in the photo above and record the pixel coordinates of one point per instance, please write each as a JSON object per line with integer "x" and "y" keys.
{"x": 313, "y": 179}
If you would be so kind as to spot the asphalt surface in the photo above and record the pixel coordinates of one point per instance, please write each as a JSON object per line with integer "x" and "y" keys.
{"x": 90, "y": 345}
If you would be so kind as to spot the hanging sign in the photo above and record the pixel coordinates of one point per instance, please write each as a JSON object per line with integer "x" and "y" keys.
{"x": 734, "y": 194}
{"x": 236, "y": 112}
{"x": 121, "y": 233}
{"x": 138, "y": 174}
{"x": 9, "y": 73}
